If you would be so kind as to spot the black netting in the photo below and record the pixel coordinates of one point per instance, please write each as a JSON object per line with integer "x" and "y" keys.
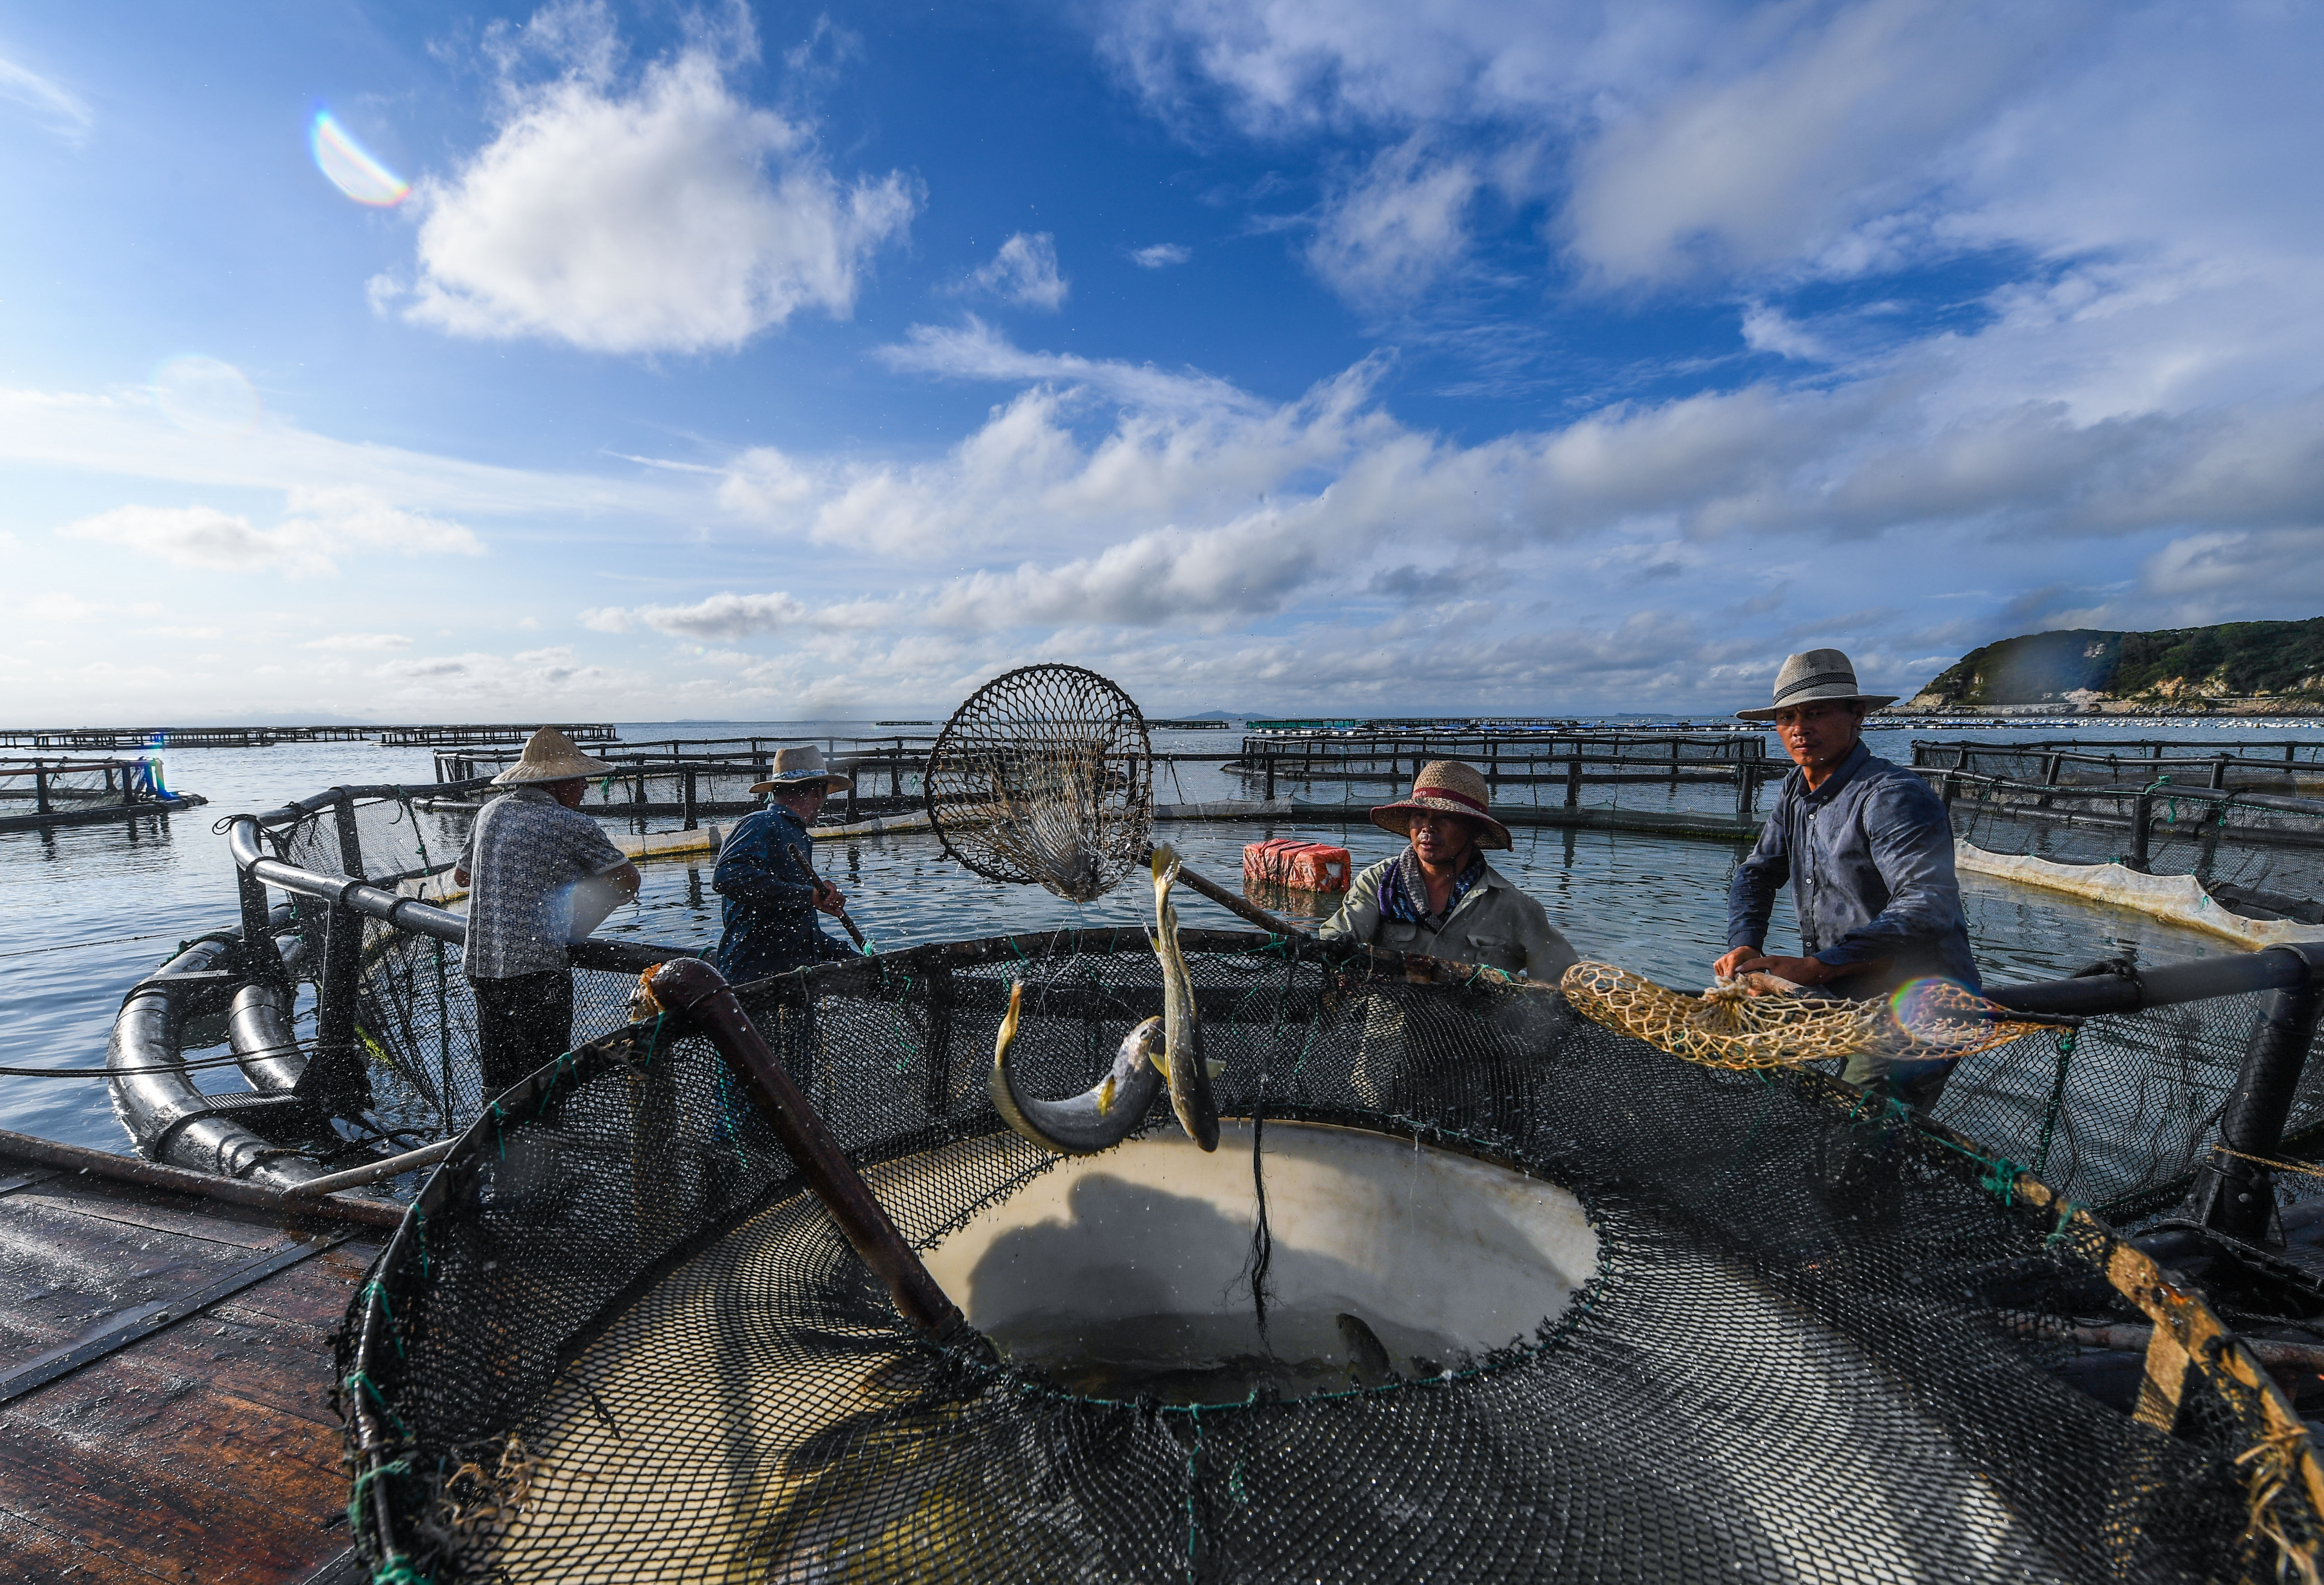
{"x": 616, "y": 1341}
{"x": 415, "y": 1015}
{"x": 2254, "y": 842}
{"x": 28, "y": 786}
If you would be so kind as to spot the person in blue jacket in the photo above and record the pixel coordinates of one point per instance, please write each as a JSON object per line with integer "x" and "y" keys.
{"x": 1868, "y": 847}
{"x": 766, "y": 873}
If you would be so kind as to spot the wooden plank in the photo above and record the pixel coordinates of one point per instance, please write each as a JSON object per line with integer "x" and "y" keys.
{"x": 156, "y": 1211}
{"x": 30, "y": 1553}
{"x": 62, "y": 1274}
{"x": 127, "y": 1326}
{"x": 316, "y": 1294}
{"x": 197, "y": 1486}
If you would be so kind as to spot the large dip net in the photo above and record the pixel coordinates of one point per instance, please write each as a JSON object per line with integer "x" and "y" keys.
{"x": 1772, "y": 1332}
{"x": 1044, "y": 775}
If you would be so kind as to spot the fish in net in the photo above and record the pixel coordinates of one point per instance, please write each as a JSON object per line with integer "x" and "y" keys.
{"x": 1731, "y": 1026}
{"x": 1622, "y": 1317}
{"x": 1044, "y": 775}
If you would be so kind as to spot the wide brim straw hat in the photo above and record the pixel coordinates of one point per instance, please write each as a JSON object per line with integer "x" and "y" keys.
{"x": 550, "y": 756}
{"x": 1815, "y": 676}
{"x": 799, "y": 768}
{"x": 1451, "y": 787}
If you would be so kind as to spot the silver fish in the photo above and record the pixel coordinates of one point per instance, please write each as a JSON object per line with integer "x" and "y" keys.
{"x": 1097, "y": 1118}
{"x": 1181, "y": 1033}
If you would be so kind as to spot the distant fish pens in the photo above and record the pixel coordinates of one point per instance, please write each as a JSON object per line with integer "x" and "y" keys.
{"x": 694, "y": 779}
{"x": 266, "y": 737}
{"x": 1526, "y": 767}
{"x": 2295, "y": 767}
{"x": 67, "y": 791}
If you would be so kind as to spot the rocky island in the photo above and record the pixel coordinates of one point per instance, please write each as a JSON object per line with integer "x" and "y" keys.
{"x": 2235, "y": 669}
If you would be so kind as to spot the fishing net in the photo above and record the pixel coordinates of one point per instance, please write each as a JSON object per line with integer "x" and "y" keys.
{"x": 1044, "y": 775}
{"x": 28, "y": 784}
{"x": 2255, "y": 843}
{"x": 415, "y": 1022}
{"x": 1797, "y": 1338}
{"x": 1731, "y": 1027}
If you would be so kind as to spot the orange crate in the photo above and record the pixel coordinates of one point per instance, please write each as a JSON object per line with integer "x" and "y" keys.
{"x": 1304, "y": 866}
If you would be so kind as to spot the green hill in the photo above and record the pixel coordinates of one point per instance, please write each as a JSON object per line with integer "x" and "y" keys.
{"x": 2172, "y": 668}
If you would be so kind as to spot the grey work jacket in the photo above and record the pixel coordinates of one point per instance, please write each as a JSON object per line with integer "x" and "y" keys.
{"x": 1494, "y": 924}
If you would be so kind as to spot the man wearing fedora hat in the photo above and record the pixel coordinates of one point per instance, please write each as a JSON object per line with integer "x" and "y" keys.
{"x": 1439, "y": 898}
{"x": 766, "y": 873}
{"x": 528, "y": 852}
{"x": 1869, "y": 849}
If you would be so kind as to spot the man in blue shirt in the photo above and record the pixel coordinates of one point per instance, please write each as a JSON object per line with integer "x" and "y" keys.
{"x": 1869, "y": 849}
{"x": 766, "y": 873}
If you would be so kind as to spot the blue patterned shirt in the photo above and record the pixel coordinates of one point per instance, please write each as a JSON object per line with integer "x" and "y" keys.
{"x": 770, "y": 915}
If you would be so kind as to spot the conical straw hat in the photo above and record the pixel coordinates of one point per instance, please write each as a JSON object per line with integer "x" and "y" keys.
{"x": 550, "y": 756}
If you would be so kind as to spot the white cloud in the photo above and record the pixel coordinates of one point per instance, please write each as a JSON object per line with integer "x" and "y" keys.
{"x": 360, "y": 642}
{"x": 1023, "y": 272}
{"x": 1767, "y": 329}
{"x": 57, "y": 107}
{"x": 322, "y": 523}
{"x": 204, "y": 537}
{"x": 1161, "y": 256}
{"x": 606, "y": 619}
{"x": 975, "y": 351}
{"x": 1397, "y": 226}
{"x": 668, "y": 216}
{"x": 725, "y": 617}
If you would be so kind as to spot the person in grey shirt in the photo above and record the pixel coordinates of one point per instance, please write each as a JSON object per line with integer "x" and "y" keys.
{"x": 1439, "y": 896}
{"x": 1867, "y": 848}
{"x": 529, "y": 852}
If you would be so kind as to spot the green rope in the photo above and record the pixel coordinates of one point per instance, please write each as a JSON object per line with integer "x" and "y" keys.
{"x": 2067, "y": 1210}
{"x": 398, "y": 1570}
{"x": 364, "y": 1478}
{"x": 1194, "y": 1473}
{"x": 2057, "y": 1099}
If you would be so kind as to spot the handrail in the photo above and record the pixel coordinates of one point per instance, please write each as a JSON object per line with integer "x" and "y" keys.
{"x": 2277, "y": 968}
{"x": 409, "y": 913}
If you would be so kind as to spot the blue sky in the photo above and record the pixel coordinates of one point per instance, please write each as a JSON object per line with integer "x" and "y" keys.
{"x": 758, "y": 360}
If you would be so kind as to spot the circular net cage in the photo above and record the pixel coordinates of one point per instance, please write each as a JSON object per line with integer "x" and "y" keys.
{"x": 1044, "y": 775}
{"x": 1474, "y": 1288}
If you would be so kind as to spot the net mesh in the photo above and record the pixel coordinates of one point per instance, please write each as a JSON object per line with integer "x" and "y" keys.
{"x": 1044, "y": 775}
{"x": 78, "y": 784}
{"x": 2273, "y": 848}
{"x": 415, "y": 1017}
{"x": 1731, "y": 1026}
{"x": 617, "y": 1342}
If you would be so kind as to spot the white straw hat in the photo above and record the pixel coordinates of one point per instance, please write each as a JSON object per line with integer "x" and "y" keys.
{"x": 800, "y": 768}
{"x": 550, "y": 756}
{"x": 1813, "y": 677}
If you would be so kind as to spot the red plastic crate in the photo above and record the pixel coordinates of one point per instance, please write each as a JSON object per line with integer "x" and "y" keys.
{"x": 1304, "y": 866}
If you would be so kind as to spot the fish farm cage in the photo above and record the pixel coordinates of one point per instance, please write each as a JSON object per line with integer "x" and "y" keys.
{"x": 694, "y": 779}
{"x": 40, "y": 791}
{"x": 2295, "y": 767}
{"x": 2261, "y": 853}
{"x": 341, "y": 1008}
{"x": 1472, "y": 1286}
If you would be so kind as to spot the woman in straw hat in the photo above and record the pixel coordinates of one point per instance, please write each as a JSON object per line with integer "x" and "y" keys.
{"x": 766, "y": 873}
{"x": 1867, "y": 848}
{"x": 527, "y": 853}
{"x": 1439, "y": 896}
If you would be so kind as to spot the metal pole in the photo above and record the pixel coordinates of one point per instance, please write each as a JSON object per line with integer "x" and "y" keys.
{"x": 1270, "y": 779}
{"x": 2231, "y": 1193}
{"x": 2219, "y": 774}
{"x": 686, "y": 789}
{"x": 693, "y": 990}
{"x": 2142, "y": 809}
{"x": 40, "y": 787}
{"x": 1573, "y": 780}
{"x": 334, "y": 1079}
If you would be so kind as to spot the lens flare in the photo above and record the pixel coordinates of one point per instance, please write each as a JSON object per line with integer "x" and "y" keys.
{"x": 351, "y": 168}
{"x": 1936, "y": 1010}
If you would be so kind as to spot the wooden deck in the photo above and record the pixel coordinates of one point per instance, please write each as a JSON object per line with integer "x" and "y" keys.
{"x": 165, "y": 1366}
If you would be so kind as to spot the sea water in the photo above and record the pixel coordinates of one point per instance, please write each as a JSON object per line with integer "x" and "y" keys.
{"x": 87, "y": 911}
